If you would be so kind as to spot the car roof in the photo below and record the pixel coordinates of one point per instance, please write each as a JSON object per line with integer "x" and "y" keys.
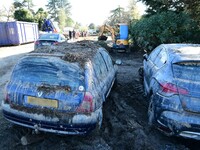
{"x": 181, "y": 52}
{"x": 50, "y": 33}
{"x": 80, "y": 51}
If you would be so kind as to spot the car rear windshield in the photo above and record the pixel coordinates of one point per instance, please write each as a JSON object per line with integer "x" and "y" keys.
{"x": 48, "y": 70}
{"x": 187, "y": 70}
{"x": 49, "y": 36}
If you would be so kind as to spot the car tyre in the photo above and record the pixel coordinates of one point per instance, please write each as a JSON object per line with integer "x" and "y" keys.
{"x": 115, "y": 84}
{"x": 151, "y": 112}
{"x": 141, "y": 74}
{"x": 99, "y": 123}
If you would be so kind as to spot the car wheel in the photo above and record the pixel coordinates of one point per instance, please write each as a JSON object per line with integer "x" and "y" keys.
{"x": 96, "y": 131}
{"x": 141, "y": 74}
{"x": 115, "y": 84}
{"x": 151, "y": 112}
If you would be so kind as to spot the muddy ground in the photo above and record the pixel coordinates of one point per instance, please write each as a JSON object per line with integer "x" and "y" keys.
{"x": 125, "y": 118}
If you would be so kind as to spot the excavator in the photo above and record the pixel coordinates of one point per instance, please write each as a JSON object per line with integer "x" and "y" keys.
{"x": 104, "y": 29}
{"x": 119, "y": 35}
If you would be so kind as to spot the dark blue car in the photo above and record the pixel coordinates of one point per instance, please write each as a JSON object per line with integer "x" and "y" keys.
{"x": 172, "y": 82}
{"x": 60, "y": 90}
{"x": 49, "y": 39}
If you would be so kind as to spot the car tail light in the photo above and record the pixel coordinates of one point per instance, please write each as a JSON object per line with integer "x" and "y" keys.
{"x": 37, "y": 42}
{"x": 55, "y": 43}
{"x": 87, "y": 104}
{"x": 7, "y": 98}
{"x": 173, "y": 89}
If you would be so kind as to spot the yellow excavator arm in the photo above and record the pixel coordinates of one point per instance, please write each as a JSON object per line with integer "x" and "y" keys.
{"x": 106, "y": 28}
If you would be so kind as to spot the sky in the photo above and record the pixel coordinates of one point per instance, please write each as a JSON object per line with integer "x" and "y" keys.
{"x": 88, "y": 11}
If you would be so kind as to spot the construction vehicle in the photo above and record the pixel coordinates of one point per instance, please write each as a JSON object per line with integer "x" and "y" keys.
{"x": 49, "y": 26}
{"x": 119, "y": 35}
{"x": 105, "y": 29}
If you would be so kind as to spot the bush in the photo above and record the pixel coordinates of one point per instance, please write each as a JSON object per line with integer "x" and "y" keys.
{"x": 23, "y": 15}
{"x": 166, "y": 27}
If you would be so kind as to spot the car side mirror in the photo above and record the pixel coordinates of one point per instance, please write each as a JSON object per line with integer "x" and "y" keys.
{"x": 118, "y": 61}
{"x": 145, "y": 57}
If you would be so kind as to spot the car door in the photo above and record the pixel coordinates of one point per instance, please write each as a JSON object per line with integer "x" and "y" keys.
{"x": 111, "y": 71}
{"x": 101, "y": 73}
{"x": 149, "y": 67}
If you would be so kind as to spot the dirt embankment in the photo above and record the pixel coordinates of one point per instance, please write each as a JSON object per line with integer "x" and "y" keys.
{"x": 124, "y": 124}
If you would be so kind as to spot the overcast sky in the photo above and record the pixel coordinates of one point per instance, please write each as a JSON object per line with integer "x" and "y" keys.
{"x": 87, "y": 11}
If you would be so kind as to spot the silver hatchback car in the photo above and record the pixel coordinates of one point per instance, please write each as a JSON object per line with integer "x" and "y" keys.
{"x": 171, "y": 76}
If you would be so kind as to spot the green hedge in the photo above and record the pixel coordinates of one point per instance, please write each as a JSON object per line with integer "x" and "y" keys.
{"x": 166, "y": 27}
{"x": 23, "y": 15}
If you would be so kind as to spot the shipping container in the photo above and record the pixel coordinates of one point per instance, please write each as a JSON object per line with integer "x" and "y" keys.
{"x": 18, "y": 32}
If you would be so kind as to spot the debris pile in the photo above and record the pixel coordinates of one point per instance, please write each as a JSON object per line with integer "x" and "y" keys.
{"x": 80, "y": 51}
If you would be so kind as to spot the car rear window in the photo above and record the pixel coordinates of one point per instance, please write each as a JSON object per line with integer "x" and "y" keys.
{"x": 49, "y": 36}
{"x": 48, "y": 70}
{"x": 187, "y": 70}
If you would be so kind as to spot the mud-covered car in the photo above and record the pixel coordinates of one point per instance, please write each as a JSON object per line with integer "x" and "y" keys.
{"x": 172, "y": 82}
{"x": 60, "y": 89}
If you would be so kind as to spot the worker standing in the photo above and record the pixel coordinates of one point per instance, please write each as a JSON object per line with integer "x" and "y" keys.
{"x": 70, "y": 34}
{"x": 73, "y": 34}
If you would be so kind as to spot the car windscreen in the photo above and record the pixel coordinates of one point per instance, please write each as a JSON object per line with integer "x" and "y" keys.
{"x": 189, "y": 70}
{"x": 48, "y": 70}
{"x": 49, "y": 36}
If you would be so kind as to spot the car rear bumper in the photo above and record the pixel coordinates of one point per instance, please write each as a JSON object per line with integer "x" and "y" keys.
{"x": 67, "y": 124}
{"x": 180, "y": 124}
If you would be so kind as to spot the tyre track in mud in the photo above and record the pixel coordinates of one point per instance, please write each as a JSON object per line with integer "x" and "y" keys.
{"x": 127, "y": 118}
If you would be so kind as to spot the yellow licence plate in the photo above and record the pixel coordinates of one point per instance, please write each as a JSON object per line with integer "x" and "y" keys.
{"x": 42, "y": 102}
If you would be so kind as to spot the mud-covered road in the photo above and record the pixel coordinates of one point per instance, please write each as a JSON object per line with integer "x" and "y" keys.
{"x": 125, "y": 117}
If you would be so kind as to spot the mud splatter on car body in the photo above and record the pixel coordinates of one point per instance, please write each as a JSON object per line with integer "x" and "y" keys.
{"x": 172, "y": 82}
{"x": 60, "y": 89}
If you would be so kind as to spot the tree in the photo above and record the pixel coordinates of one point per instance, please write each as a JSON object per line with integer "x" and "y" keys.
{"x": 23, "y": 15}
{"x": 28, "y": 4}
{"x": 178, "y": 6}
{"x": 40, "y": 16}
{"x": 54, "y": 7}
{"x": 133, "y": 10}
{"x": 77, "y": 25}
{"x": 65, "y": 5}
{"x": 118, "y": 15}
{"x": 193, "y": 9}
{"x": 91, "y": 26}
{"x": 23, "y": 10}
{"x": 165, "y": 27}
{"x": 62, "y": 18}
{"x": 157, "y": 6}
{"x": 17, "y": 4}
{"x": 69, "y": 22}
{"x": 7, "y": 13}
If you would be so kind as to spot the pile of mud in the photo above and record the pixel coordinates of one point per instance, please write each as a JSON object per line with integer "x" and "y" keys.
{"x": 80, "y": 51}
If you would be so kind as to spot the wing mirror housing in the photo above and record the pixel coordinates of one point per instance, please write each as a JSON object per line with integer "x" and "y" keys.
{"x": 145, "y": 57}
{"x": 118, "y": 61}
